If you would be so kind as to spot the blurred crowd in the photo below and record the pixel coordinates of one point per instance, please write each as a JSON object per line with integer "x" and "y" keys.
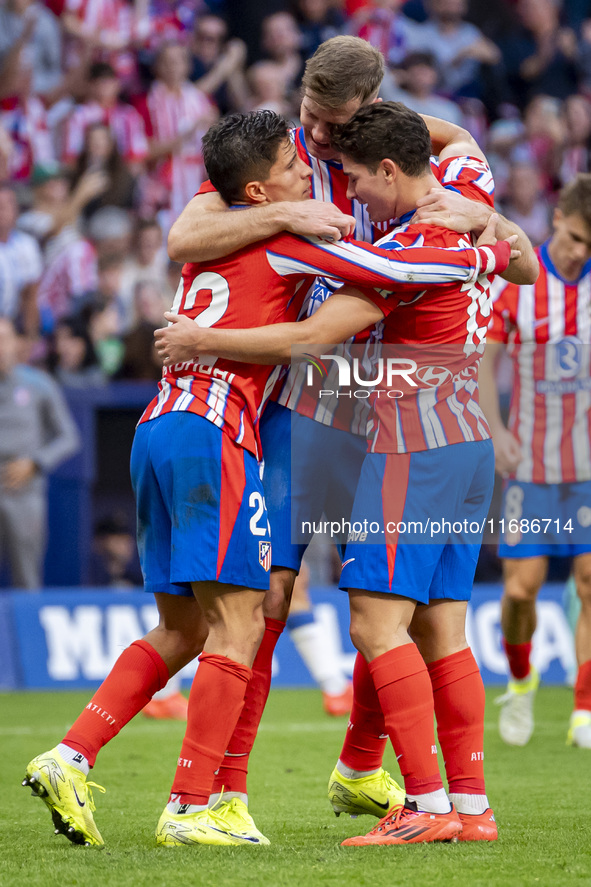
{"x": 103, "y": 104}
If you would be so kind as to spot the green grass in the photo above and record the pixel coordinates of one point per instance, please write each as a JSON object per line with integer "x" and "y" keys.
{"x": 541, "y": 796}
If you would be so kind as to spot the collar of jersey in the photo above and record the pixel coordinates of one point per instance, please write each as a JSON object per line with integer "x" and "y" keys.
{"x": 545, "y": 257}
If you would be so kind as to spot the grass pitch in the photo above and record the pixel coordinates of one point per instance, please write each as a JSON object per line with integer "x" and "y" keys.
{"x": 541, "y": 795}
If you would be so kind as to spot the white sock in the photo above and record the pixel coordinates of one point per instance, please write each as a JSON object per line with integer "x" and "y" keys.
{"x": 473, "y": 804}
{"x": 227, "y": 796}
{"x": 74, "y": 758}
{"x": 175, "y": 807}
{"x": 432, "y": 802}
{"x": 173, "y": 686}
{"x": 353, "y": 774}
{"x": 319, "y": 657}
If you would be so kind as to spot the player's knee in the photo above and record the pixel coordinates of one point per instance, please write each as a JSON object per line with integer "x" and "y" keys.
{"x": 520, "y": 589}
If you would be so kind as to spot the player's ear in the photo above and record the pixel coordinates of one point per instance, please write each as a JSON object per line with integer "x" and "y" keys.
{"x": 255, "y": 192}
{"x": 388, "y": 169}
{"x": 557, "y": 216}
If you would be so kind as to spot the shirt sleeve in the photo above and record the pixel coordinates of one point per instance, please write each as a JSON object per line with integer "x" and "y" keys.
{"x": 411, "y": 268}
{"x": 61, "y": 438}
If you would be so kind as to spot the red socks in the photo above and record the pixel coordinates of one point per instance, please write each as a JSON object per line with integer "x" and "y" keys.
{"x": 458, "y": 695}
{"x": 406, "y": 698}
{"x": 231, "y": 776}
{"x": 215, "y": 703}
{"x": 138, "y": 673}
{"x": 583, "y": 687}
{"x": 518, "y": 657}
{"x": 365, "y": 740}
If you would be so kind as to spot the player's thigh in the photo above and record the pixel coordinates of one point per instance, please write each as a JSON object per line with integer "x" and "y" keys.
{"x": 389, "y": 548}
{"x": 212, "y": 492}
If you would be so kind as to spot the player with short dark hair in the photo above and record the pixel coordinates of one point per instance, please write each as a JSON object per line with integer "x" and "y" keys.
{"x": 544, "y": 454}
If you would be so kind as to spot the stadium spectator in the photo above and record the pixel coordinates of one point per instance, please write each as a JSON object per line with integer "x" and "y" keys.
{"x": 100, "y": 154}
{"x": 102, "y": 105}
{"x": 382, "y": 24}
{"x": 37, "y": 434}
{"x": 114, "y": 562}
{"x": 73, "y": 273}
{"x": 268, "y": 88}
{"x": 176, "y": 114}
{"x": 111, "y": 29}
{"x": 525, "y": 203}
{"x": 72, "y": 360}
{"x": 147, "y": 263}
{"x": 217, "y": 64}
{"x": 415, "y": 86}
{"x": 24, "y": 118}
{"x": 281, "y": 42}
{"x": 539, "y": 56}
{"x": 459, "y": 47}
{"x": 20, "y": 267}
{"x": 30, "y": 29}
{"x": 576, "y": 150}
{"x": 318, "y": 20}
{"x": 544, "y": 453}
{"x": 54, "y": 216}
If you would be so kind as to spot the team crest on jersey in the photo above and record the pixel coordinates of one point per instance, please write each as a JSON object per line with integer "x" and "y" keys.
{"x": 265, "y": 555}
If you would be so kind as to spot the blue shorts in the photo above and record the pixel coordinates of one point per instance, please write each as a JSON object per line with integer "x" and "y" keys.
{"x": 545, "y": 520}
{"x": 418, "y": 521}
{"x": 311, "y": 473}
{"x": 201, "y": 513}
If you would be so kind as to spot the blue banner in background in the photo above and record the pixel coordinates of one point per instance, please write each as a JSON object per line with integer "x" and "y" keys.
{"x": 69, "y": 639}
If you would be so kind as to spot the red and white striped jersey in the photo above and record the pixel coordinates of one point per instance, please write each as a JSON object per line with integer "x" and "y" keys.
{"x": 168, "y": 114}
{"x": 436, "y": 339}
{"x": 263, "y": 284}
{"x": 72, "y": 274}
{"x": 123, "y": 120}
{"x": 547, "y": 329}
{"x": 330, "y": 183}
{"x": 25, "y": 121}
{"x": 115, "y": 19}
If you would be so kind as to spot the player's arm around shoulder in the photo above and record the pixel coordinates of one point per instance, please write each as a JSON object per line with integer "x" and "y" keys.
{"x": 345, "y": 313}
{"x": 208, "y": 229}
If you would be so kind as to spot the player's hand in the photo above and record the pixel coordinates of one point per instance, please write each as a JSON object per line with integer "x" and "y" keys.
{"x": 317, "y": 218}
{"x": 182, "y": 340}
{"x": 447, "y": 209}
{"x": 489, "y": 237}
{"x": 507, "y": 452}
{"x": 17, "y": 473}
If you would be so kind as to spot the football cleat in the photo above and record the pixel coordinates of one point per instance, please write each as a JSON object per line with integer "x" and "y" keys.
{"x": 408, "y": 825}
{"x": 478, "y": 826}
{"x": 173, "y": 708}
{"x": 376, "y": 794}
{"x": 579, "y": 731}
{"x": 338, "y": 704}
{"x": 68, "y": 795}
{"x": 228, "y": 822}
{"x": 516, "y": 720}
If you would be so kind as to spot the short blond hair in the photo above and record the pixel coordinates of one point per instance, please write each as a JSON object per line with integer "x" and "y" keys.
{"x": 342, "y": 69}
